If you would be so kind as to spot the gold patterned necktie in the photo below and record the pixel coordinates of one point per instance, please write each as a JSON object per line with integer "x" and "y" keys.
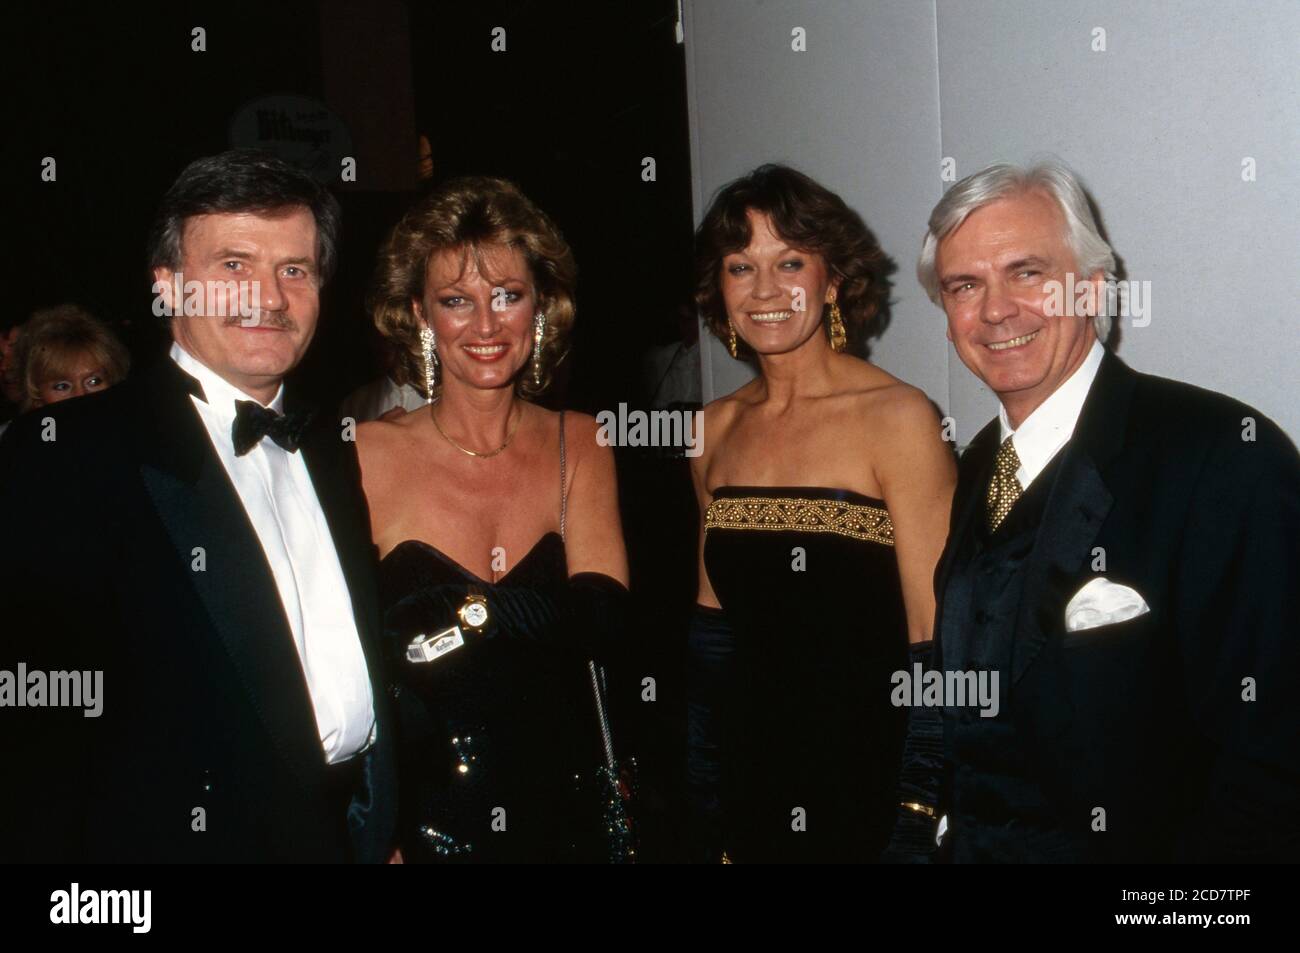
{"x": 1004, "y": 488}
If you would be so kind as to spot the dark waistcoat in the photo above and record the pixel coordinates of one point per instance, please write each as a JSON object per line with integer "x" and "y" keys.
{"x": 998, "y": 810}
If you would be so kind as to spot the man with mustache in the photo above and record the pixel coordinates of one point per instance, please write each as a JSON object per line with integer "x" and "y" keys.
{"x": 199, "y": 536}
{"x": 1122, "y": 553}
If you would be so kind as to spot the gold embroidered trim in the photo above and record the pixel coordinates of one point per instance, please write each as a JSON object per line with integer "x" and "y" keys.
{"x": 855, "y": 520}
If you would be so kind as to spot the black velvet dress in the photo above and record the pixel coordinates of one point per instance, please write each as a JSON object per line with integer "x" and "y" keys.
{"x": 810, "y": 743}
{"x": 498, "y": 738}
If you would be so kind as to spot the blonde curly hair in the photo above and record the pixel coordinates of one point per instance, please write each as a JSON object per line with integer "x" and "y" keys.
{"x": 53, "y": 339}
{"x": 468, "y": 214}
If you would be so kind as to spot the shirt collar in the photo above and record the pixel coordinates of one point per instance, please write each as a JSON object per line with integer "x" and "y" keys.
{"x": 1051, "y": 425}
{"x": 218, "y": 393}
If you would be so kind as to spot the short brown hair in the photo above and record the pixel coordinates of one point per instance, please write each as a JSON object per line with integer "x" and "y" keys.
{"x": 243, "y": 180}
{"x": 809, "y": 217}
{"x": 50, "y": 340}
{"x": 468, "y": 214}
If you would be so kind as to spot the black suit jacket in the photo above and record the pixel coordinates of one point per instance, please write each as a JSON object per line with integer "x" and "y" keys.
{"x": 127, "y": 550}
{"x": 1147, "y": 719}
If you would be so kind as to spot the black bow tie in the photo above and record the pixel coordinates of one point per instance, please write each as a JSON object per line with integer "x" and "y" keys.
{"x": 253, "y": 422}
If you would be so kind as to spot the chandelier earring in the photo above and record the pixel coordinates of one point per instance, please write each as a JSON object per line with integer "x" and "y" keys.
{"x": 430, "y": 354}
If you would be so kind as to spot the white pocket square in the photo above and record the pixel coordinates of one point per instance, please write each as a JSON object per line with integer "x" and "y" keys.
{"x": 1102, "y": 602}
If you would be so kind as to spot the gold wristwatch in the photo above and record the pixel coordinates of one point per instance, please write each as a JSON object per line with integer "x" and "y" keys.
{"x": 473, "y": 613}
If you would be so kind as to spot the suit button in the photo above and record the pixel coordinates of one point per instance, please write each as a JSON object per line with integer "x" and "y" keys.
{"x": 206, "y": 781}
{"x": 981, "y": 617}
{"x": 394, "y": 690}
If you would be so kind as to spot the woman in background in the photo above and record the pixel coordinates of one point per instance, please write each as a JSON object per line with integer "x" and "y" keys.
{"x": 67, "y": 352}
{"x": 824, "y": 490}
{"x": 61, "y": 353}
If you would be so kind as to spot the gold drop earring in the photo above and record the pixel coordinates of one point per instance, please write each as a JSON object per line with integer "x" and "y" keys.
{"x": 839, "y": 339}
{"x": 731, "y": 338}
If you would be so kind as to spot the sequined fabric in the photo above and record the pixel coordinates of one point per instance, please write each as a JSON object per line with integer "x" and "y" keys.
{"x": 498, "y": 742}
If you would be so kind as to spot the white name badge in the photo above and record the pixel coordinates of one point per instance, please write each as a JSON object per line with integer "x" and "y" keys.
{"x": 430, "y": 648}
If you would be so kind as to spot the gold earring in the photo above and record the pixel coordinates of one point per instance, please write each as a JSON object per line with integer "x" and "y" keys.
{"x": 731, "y": 337}
{"x": 839, "y": 339}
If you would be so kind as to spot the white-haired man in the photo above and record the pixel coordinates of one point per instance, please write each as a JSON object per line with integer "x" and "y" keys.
{"x": 1122, "y": 554}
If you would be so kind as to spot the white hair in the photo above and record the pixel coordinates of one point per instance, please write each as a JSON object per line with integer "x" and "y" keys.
{"x": 1092, "y": 253}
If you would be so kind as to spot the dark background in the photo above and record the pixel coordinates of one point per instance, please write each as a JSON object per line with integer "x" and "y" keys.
{"x": 583, "y": 92}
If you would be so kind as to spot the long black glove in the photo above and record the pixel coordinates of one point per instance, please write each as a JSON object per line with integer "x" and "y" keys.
{"x": 711, "y": 645}
{"x": 912, "y": 841}
{"x": 587, "y": 616}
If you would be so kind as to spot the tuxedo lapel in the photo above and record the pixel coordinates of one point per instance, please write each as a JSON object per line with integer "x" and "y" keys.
{"x": 953, "y": 588}
{"x": 335, "y": 475}
{"x": 1077, "y": 506}
{"x": 171, "y": 438}
{"x": 976, "y": 465}
{"x": 200, "y": 509}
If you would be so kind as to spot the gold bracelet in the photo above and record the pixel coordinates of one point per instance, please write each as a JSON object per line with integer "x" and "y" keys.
{"x": 918, "y": 808}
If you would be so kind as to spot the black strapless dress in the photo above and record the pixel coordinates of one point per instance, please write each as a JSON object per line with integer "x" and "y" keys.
{"x": 498, "y": 738}
{"x": 810, "y": 585}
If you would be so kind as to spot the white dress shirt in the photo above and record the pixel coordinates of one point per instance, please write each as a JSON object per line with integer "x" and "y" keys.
{"x": 1051, "y": 425}
{"x": 276, "y": 491}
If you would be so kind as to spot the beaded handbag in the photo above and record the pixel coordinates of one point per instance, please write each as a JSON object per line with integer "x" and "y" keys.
{"x": 616, "y": 784}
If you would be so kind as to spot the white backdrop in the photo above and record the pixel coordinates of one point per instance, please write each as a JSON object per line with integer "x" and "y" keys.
{"x": 1165, "y": 125}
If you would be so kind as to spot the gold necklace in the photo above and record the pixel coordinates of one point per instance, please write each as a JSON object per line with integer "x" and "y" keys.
{"x": 476, "y": 453}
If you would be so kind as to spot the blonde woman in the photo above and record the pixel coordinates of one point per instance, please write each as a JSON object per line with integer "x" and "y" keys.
{"x": 66, "y": 352}
{"x": 497, "y": 517}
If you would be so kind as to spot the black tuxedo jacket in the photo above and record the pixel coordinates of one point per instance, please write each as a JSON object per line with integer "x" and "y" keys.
{"x": 128, "y": 551}
{"x": 1148, "y": 718}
